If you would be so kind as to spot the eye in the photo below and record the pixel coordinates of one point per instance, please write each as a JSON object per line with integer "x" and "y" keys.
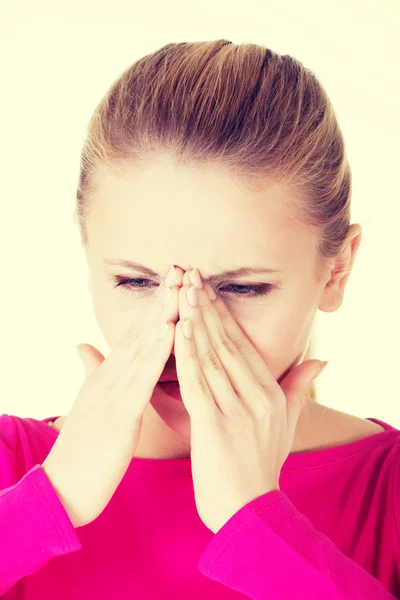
{"x": 245, "y": 291}
{"x": 131, "y": 285}
{"x": 256, "y": 290}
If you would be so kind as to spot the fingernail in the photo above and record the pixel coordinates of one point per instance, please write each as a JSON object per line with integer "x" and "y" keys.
{"x": 195, "y": 278}
{"x": 187, "y": 329}
{"x": 170, "y": 279}
{"x": 322, "y": 367}
{"x": 191, "y": 295}
{"x": 210, "y": 292}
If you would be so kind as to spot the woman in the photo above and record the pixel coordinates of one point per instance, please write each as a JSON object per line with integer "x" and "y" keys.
{"x": 227, "y": 162}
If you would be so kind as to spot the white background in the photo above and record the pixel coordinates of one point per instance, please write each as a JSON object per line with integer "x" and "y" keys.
{"x": 58, "y": 61}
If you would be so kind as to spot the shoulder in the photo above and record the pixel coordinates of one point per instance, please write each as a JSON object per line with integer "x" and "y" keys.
{"x": 9, "y": 438}
{"x": 24, "y": 442}
{"x": 9, "y": 450}
{"x": 396, "y": 474}
{"x": 395, "y": 488}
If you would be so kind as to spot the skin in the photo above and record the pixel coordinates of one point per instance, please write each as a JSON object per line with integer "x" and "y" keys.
{"x": 164, "y": 214}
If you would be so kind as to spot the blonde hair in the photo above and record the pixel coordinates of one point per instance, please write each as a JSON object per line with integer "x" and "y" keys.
{"x": 262, "y": 116}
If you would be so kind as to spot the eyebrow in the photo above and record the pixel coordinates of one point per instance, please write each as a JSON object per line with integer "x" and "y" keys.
{"x": 212, "y": 278}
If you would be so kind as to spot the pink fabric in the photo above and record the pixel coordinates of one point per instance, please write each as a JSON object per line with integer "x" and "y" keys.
{"x": 330, "y": 533}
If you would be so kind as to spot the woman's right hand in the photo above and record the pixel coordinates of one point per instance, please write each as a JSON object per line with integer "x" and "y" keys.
{"x": 101, "y": 432}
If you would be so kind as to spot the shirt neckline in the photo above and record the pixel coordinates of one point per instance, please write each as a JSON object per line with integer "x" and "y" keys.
{"x": 302, "y": 460}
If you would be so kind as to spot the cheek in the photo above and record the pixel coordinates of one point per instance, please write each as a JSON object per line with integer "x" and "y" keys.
{"x": 278, "y": 334}
{"x": 115, "y": 316}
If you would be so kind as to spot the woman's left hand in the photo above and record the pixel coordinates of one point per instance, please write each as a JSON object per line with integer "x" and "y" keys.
{"x": 242, "y": 420}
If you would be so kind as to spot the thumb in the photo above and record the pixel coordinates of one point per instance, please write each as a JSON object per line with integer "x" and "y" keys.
{"x": 298, "y": 380}
{"x": 90, "y": 357}
{"x": 295, "y": 386}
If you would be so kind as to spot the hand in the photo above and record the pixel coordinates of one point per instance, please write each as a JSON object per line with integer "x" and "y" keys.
{"x": 101, "y": 432}
{"x": 242, "y": 421}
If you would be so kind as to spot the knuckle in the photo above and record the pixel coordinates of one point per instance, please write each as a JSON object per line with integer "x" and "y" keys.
{"x": 197, "y": 321}
{"x": 243, "y": 345}
{"x": 129, "y": 336}
{"x": 210, "y": 359}
{"x": 225, "y": 343}
{"x": 207, "y": 308}
{"x": 105, "y": 382}
{"x": 223, "y": 311}
{"x": 201, "y": 384}
{"x": 139, "y": 344}
{"x": 128, "y": 343}
{"x": 267, "y": 407}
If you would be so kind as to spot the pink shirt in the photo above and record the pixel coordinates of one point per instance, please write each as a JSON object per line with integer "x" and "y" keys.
{"x": 331, "y": 532}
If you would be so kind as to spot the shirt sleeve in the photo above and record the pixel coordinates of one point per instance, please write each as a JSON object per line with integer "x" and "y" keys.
{"x": 268, "y": 549}
{"x": 396, "y": 494}
{"x": 34, "y": 527}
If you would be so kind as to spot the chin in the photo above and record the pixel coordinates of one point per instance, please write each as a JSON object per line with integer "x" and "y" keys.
{"x": 172, "y": 413}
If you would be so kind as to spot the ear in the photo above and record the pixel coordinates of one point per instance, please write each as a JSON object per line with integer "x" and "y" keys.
{"x": 333, "y": 293}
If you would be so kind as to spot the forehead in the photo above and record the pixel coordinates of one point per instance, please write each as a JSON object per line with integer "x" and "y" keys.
{"x": 184, "y": 209}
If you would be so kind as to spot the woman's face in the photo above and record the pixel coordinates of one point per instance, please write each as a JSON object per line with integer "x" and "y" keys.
{"x": 164, "y": 214}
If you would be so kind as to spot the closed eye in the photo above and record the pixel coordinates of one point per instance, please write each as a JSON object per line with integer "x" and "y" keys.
{"x": 132, "y": 286}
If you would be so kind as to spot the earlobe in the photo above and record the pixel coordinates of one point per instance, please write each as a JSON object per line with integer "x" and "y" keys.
{"x": 331, "y": 299}
{"x": 333, "y": 292}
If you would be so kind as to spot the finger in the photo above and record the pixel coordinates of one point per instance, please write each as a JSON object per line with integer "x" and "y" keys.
{"x": 136, "y": 339}
{"x": 242, "y": 379}
{"x": 223, "y": 394}
{"x": 179, "y": 275}
{"x": 195, "y": 391}
{"x": 221, "y": 325}
{"x": 130, "y": 378}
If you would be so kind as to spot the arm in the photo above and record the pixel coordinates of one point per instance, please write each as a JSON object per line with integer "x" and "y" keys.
{"x": 268, "y": 549}
{"x": 34, "y": 527}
